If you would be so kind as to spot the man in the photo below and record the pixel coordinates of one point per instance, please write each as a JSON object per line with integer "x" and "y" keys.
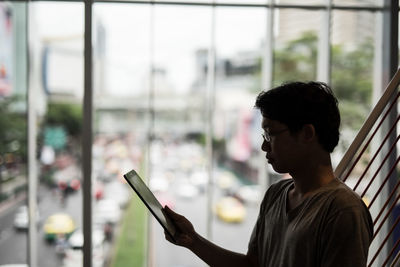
{"x": 311, "y": 219}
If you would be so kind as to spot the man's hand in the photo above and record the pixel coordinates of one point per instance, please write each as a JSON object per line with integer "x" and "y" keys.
{"x": 210, "y": 253}
{"x": 185, "y": 234}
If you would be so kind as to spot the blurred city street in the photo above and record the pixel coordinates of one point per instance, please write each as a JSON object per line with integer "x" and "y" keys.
{"x": 233, "y": 236}
{"x": 177, "y": 180}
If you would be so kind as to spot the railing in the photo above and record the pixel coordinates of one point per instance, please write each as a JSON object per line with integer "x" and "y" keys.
{"x": 370, "y": 164}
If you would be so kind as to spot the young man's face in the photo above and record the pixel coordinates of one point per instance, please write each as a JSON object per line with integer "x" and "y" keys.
{"x": 280, "y": 145}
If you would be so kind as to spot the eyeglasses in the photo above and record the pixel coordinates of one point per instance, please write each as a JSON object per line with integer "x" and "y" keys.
{"x": 267, "y": 135}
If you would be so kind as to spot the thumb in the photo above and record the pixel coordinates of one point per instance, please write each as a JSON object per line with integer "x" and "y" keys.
{"x": 171, "y": 213}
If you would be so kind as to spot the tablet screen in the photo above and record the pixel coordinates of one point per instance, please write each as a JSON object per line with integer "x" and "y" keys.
{"x": 149, "y": 200}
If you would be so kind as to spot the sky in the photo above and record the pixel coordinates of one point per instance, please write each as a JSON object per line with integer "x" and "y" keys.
{"x": 178, "y": 32}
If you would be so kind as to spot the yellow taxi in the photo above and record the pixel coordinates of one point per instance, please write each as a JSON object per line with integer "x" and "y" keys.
{"x": 230, "y": 209}
{"x": 58, "y": 224}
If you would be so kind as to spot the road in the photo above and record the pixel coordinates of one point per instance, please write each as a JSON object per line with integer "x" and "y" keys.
{"x": 13, "y": 244}
{"x": 230, "y": 236}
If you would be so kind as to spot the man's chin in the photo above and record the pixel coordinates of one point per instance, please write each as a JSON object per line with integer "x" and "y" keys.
{"x": 278, "y": 169}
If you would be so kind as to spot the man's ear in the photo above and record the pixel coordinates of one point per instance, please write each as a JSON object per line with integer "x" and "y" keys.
{"x": 308, "y": 132}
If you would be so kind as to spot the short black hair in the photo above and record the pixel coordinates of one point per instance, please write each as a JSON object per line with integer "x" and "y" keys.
{"x": 298, "y": 103}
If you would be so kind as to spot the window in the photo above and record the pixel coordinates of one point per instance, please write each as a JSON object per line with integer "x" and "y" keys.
{"x": 173, "y": 91}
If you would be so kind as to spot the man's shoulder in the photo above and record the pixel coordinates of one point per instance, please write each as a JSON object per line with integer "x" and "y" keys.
{"x": 343, "y": 196}
{"x": 278, "y": 187}
{"x": 275, "y": 192}
{"x": 281, "y": 184}
{"x": 346, "y": 203}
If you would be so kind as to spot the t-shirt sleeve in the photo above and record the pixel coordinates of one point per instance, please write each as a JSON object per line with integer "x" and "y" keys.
{"x": 346, "y": 238}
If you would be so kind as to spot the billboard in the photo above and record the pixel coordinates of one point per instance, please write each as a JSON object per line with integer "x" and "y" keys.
{"x": 6, "y": 49}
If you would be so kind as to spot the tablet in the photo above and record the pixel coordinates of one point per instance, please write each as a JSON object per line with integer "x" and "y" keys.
{"x": 150, "y": 201}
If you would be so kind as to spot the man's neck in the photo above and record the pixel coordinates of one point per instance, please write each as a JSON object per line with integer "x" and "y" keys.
{"x": 312, "y": 177}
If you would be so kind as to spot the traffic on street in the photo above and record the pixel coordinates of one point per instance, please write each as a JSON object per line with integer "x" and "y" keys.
{"x": 178, "y": 179}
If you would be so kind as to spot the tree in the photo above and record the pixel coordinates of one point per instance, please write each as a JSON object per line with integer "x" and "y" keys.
{"x": 297, "y": 60}
{"x": 62, "y": 120}
{"x": 351, "y": 73}
{"x": 13, "y": 135}
{"x": 13, "y": 125}
{"x": 67, "y": 115}
{"x": 352, "y": 82}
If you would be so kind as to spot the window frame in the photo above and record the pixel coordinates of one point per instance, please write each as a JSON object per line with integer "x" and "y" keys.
{"x": 387, "y": 61}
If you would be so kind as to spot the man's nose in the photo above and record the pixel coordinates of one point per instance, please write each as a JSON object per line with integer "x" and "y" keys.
{"x": 265, "y": 146}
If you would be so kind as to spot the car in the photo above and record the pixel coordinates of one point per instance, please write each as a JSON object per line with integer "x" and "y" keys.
{"x": 187, "y": 191}
{"x": 21, "y": 218}
{"x": 230, "y": 209}
{"x": 199, "y": 179}
{"x": 107, "y": 211}
{"x": 226, "y": 180}
{"x": 74, "y": 254}
{"x": 159, "y": 184}
{"x": 98, "y": 190}
{"x": 75, "y": 241}
{"x": 250, "y": 194}
{"x": 118, "y": 191}
{"x": 58, "y": 224}
{"x": 74, "y": 257}
{"x": 75, "y": 184}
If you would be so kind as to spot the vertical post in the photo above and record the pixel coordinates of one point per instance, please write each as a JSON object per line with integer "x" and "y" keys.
{"x": 324, "y": 51}
{"x": 394, "y": 37}
{"x": 385, "y": 65}
{"x": 87, "y": 138}
{"x": 209, "y": 124}
{"x": 268, "y": 53}
{"x": 32, "y": 164}
{"x": 267, "y": 70}
{"x": 150, "y": 136}
{"x": 393, "y": 61}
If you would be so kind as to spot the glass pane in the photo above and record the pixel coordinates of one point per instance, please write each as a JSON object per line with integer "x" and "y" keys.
{"x": 240, "y": 39}
{"x": 352, "y": 51}
{"x": 168, "y": 104}
{"x": 121, "y": 97}
{"x": 13, "y": 137}
{"x": 296, "y": 45}
{"x": 57, "y": 80}
{"x": 177, "y": 153}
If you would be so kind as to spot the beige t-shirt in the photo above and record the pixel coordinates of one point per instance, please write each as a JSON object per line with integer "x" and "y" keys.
{"x": 332, "y": 227}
